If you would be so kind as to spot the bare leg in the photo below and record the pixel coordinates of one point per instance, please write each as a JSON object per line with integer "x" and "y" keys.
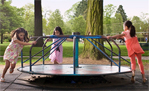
{"x": 7, "y": 65}
{"x": 133, "y": 72}
{"x": 12, "y": 67}
{"x": 55, "y": 62}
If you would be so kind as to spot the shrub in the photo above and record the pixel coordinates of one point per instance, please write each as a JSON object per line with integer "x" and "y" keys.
{"x": 7, "y": 36}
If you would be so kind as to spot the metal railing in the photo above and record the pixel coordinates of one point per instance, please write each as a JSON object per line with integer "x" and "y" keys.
{"x": 62, "y": 38}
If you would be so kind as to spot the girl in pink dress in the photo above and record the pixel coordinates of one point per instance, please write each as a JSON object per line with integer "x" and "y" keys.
{"x": 57, "y": 56}
{"x": 133, "y": 48}
{"x": 19, "y": 38}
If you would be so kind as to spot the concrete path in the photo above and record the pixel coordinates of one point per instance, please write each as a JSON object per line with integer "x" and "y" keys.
{"x": 119, "y": 82}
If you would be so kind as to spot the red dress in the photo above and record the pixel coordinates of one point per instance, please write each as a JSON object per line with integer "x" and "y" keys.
{"x": 132, "y": 44}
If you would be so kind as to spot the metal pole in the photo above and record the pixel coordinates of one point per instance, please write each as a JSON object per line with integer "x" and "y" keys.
{"x": 21, "y": 58}
{"x": 43, "y": 54}
{"x": 75, "y": 51}
{"x": 119, "y": 61}
{"x": 30, "y": 56}
{"x": 74, "y": 54}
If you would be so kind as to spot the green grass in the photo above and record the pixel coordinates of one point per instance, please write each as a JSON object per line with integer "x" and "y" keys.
{"x": 67, "y": 49}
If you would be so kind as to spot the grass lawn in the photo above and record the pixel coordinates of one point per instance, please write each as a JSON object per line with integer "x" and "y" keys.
{"x": 67, "y": 49}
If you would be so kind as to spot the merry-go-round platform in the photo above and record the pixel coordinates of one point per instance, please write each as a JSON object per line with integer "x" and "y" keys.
{"x": 74, "y": 69}
{"x": 67, "y": 70}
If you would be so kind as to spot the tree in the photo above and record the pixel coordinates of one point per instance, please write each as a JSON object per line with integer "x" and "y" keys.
{"x": 55, "y": 20}
{"x": 10, "y": 18}
{"x": 81, "y": 9}
{"x": 45, "y": 28}
{"x": 79, "y": 25}
{"x": 122, "y": 12}
{"x": 136, "y": 22}
{"x": 117, "y": 24}
{"x": 68, "y": 27}
{"x": 94, "y": 24}
{"x": 108, "y": 12}
{"x": 28, "y": 17}
{"x": 47, "y": 13}
{"x": 38, "y": 22}
{"x": 145, "y": 25}
{"x": 69, "y": 16}
{"x": 144, "y": 22}
{"x": 70, "y": 13}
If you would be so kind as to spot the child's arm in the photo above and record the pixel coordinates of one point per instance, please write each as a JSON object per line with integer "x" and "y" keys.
{"x": 68, "y": 39}
{"x": 116, "y": 36}
{"x": 24, "y": 43}
{"x": 48, "y": 39}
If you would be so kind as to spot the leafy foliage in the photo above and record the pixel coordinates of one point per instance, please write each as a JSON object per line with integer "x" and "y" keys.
{"x": 122, "y": 12}
{"x": 10, "y": 18}
{"x": 108, "y": 12}
{"x": 81, "y": 9}
{"x": 28, "y": 16}
{"x": 55, "y": 19}
{"x": 79, "y": 25}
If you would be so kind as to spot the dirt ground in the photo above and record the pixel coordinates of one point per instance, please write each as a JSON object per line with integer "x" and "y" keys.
{"x": 83, "y": 61}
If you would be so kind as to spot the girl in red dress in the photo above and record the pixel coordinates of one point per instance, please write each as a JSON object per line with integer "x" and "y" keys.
{"x": 133, "y": 48}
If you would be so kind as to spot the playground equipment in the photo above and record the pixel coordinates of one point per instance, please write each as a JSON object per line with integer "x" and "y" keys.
{"x": 74, "y": 69}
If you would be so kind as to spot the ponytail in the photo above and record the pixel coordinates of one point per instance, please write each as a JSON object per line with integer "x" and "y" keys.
{"x": 132, "y": 31}
{"x": 131, "y": 27}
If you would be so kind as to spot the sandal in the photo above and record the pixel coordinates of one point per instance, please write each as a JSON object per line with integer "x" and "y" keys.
{"x": 144, "y": 80}
{"x": 133, "y": 79}
{"x": 2, "y": 79}
{"x": 11, "y": 70}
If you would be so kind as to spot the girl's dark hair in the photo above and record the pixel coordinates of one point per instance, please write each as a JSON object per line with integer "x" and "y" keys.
{"x": 58, "y": 29}
{"x": 131, "y": 27}
{"x": 20, "y": 30}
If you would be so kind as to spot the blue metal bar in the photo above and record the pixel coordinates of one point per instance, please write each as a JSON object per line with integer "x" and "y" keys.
{"x": 76, "y": 52}
{"x": 111, "y": 50}
{"x": 102, "y": 52}
{"x": 41, "y": 50}
{"x": 43, "y": 56}
{"x": 107, "y": 48}
{"x": 74, "y": 55}
{"x": 48, "y": 51}
{"x": 30, "y": 63}
{"x": 21, "y": 58}
{"x": 46, "y": 48}
{"x": 71, "y": 36}
{"x": 119, "y": 54}
{"x": 54, "y": 49}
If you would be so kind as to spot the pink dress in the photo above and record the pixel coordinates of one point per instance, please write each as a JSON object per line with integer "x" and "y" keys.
{"x": 12, "y": 51}
{"x": 56, "y": 55}
{"x": 132, "y": 44}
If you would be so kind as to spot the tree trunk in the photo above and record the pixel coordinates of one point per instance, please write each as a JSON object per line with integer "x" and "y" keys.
{"x": 38, "y": 22}
{"x": 1, "y": 38}
{"x": 2, "y": 1}
{"x": 95, "y": 26}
